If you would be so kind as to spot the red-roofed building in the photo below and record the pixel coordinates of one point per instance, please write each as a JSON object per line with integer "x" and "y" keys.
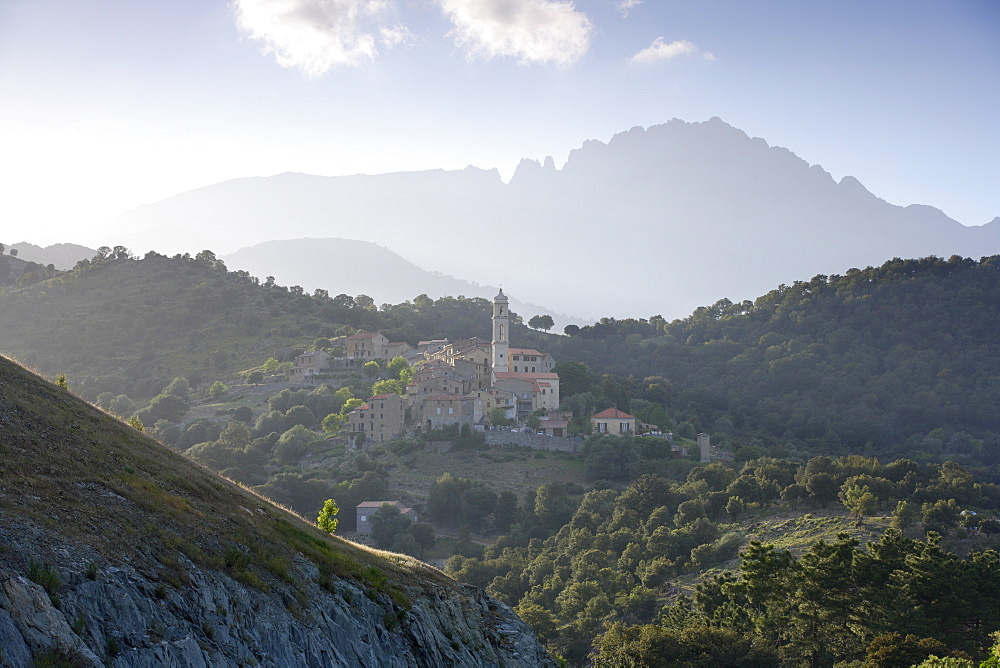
{"x": 544, "y": 385}
{"x": 615, "y": 422}
{"x": 381, "y": 419}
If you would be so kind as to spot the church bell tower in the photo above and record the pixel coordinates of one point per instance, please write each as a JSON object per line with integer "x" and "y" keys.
{"x": 501, "y": 332}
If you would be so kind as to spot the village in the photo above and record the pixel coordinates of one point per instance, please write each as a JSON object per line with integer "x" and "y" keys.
{"x": 471, "y": 382}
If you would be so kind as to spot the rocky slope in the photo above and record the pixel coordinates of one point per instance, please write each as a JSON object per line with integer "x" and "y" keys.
{"x": 115, "y": 551}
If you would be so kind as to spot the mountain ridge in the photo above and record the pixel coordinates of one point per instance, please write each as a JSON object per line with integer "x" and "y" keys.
{"x": 682, "y": 213}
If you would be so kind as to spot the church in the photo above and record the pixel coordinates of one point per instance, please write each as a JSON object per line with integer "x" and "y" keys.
{"x": 463, "y": 382}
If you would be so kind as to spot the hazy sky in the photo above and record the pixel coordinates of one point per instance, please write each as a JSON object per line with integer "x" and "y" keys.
{"x": 108, "y": 104}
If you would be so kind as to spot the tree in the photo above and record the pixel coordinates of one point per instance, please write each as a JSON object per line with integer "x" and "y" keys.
{"x": 423, "y": 533}
{"x": 272, "y": 365}
{"x": 61, "y": 381}
{"x": 218, "y": 390}
{"x": 905, "y": 515}
{"x": 386, "y": 522}
{"x": 940, "y": 516}
{"x": 823, "y": 488}
{"x": 859, "y": 500}
{"x": 498, "y": 417}
{"x": 13, "y": 252}
{"x": 255, "y": 378}
{"x": 541, "y": 322}
{"x": 293, "y": 444}
{"x": 327, "y": 520}
{"x": 333, "y": 422}
{"x": 571, "y": 330}
{"x": 372, "y": 369}
{"x": 396, "y": 366}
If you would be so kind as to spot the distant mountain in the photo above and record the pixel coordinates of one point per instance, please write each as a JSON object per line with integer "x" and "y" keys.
{"x": 361, "y": 267}
{"x": 658, "y": 220}
{"x": 63, "y": 256}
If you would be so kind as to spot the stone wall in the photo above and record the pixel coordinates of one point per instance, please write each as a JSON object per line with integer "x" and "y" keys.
{"x": 527, "y": 440}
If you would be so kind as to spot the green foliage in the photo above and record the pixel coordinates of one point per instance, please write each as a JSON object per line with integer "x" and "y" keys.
{"x": 327, "y": 520}
{"x": 218, "y": 390}
{"x": 541, "y": 322}
{"x": 61, "y": 381}
{"x": 47, "y": 576}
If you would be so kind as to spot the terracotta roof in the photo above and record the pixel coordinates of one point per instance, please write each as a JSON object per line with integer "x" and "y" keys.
{"x": 520, "y": 375}
{"x": 614, "y": 413}
{"x": 525, "y": 351}
{"x": 382, "y": 396}
{"x": 553, "y": 424}
{"x": 362, "y": 407}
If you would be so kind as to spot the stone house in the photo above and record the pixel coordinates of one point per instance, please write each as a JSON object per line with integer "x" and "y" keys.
{"x": 396, "y": 349}
{"x": 366, "y": 509}
{"x": 307, "y": 365}
{"x": 615, "y": 422}
{"x": 365, "y": 346}
{"x": 382, "y": 418}
{"x": 442, "y": 410}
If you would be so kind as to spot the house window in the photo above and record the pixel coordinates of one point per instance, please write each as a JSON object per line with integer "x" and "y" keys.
{"x": 439, "y": 411}
{"x": 517, "y": 357}
{"x": 364, "y": 518}
{"x": 602, "y": 427}
{"x": 451, "y": 411}
{"x": 515, "y": 366}
{"x": 626, "y": 427}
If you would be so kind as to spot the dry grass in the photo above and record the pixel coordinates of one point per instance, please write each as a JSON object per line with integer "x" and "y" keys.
{"x": 71, "y": 468}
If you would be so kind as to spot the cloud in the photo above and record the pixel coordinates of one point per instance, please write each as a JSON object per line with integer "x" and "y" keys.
{"x": 624, "y": 6}
{"x": 544, "y": 31}
{"x": 316, "y": 35}
{"x": 662, "y": 50}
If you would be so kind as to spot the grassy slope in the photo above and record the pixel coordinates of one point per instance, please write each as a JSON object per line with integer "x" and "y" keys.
{"x": 75, "y": 470}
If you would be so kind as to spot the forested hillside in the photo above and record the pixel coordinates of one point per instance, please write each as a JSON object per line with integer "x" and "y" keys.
{"x": 640, "y": 564}
{"x": 873, "y": 360}
{"x": 899, "y": 359}
{"x": 127, "y": 325}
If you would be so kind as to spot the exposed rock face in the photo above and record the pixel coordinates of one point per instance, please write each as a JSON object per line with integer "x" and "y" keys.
{"x": 126, "y": 617}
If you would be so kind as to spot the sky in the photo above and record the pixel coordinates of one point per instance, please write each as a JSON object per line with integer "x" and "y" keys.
{"x": 106, "y": 105}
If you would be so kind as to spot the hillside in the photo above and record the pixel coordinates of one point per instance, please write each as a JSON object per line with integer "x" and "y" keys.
{"x": 869, "y": 361}
{"x": 675, "y": 216}
{"x": 113, "y": 548}
{"x": 127, "y": 325}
